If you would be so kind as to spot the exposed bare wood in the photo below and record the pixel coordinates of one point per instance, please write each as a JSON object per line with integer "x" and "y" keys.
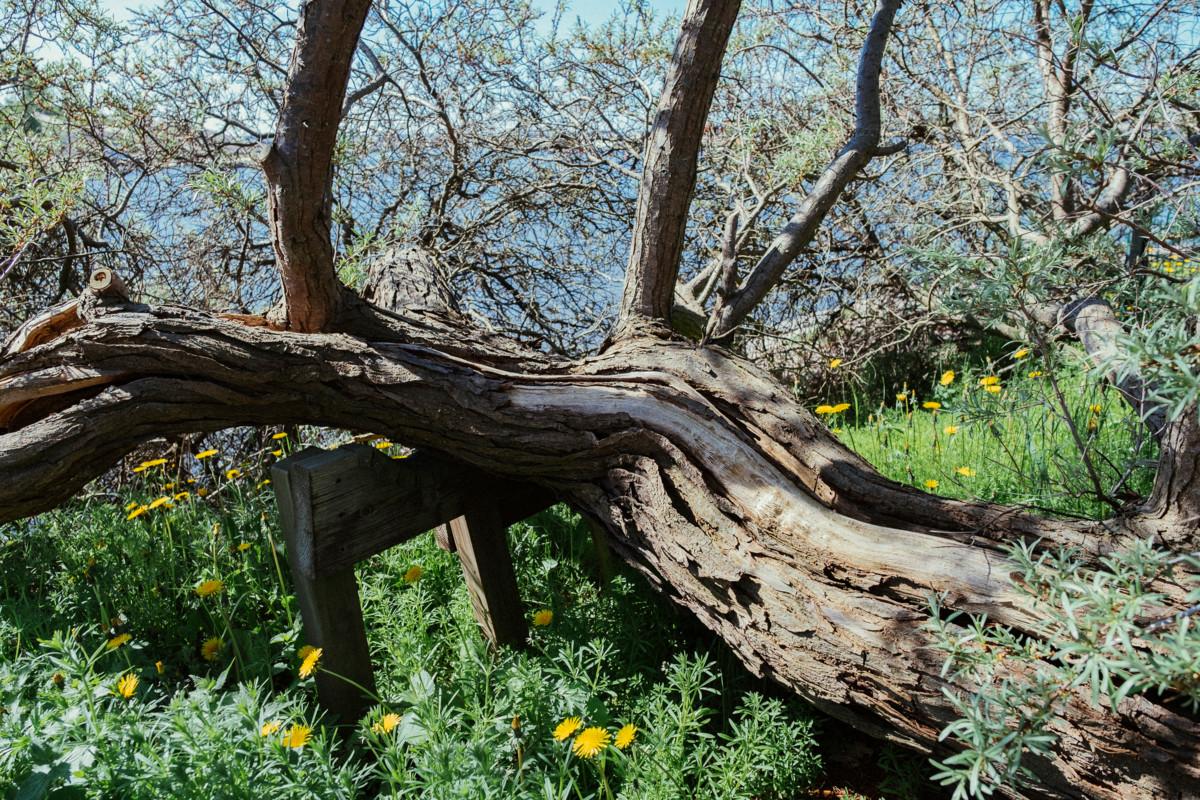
{"x": 707, "y": 477}
{"x": 299, "y": 165}
{"x": 482, "y": 547}
{"x": 669, "y": 169}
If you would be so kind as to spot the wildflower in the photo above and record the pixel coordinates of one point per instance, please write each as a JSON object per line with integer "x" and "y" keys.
{"x": 182, "y": 495}
{"x": 822, "y": 410}
{"x": 566, "y": 728}
{"x": 835, "y": 431}
{"x": 265, "y": 482}
{"x": 834, "y": 363}
{"x": 387, "y": 724}
{"x": 947, "y": 378}
{"x": 297, "y": 736}
{"x": 269, "y": 727}
{"x": 516, "y": 723}
{"x": 303, "y": 652}
{"x": 1095, "y": 408}
{"x": 950, "y": 430}
{"x": 211, "y": 648}
{"x": 277, "y": 453}
{"x": 127, "y": 685}
{"x": 208, "y": 587}
{"x": 145, "y": 465}
{"x": 203, "y": 454}
{"x": 931, "y": 484}
{"x": 58, "y": 679}
{"x": 1037, "y": 373}
{"x": 132, "y": 505}
{"x": 202, "y": 492}
{"x": 992, "y": 389}
{"x": 966, "y": 472}
{"x": 413, "y": 574}
{"x": 243, "y": 547}
{"x": 159, "y": 502}
{"x": 1024, "y": 351}
{"x": 137, "y": 512}
{"x": 989, "y": 380}
{"x": 158, "y": 667}
{"x": 383, "y": 445}
{"x": 1092, "y": 424}
{"x": 543, "y": 618}
{"x": 901, "y": 397}
{"x": 625, "y": 736}
{"x": 932, "y": 405}
{"x": 840, "y": 407}
{"x": 233, "y": 474}
{"x": 589, "y": 743}
{"x": 280, "y": 435}
{"x": 309, "y": 665}
{"x": 118, "y": 640}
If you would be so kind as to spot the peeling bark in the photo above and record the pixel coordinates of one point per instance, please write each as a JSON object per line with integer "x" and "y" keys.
{"x": 708, "y": 478}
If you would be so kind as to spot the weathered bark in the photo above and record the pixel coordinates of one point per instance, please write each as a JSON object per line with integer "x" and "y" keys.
{"x": 710, "y": 480}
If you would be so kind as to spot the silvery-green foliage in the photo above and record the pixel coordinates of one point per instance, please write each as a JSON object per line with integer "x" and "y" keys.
{"x": 1107, "y": 631}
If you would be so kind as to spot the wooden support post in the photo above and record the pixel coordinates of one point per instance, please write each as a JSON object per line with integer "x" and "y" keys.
{"x": 328, "y": 602}
{"x": 480, "y": 537}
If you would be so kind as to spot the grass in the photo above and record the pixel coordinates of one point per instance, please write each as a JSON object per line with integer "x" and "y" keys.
{"x": 106, "y": 588}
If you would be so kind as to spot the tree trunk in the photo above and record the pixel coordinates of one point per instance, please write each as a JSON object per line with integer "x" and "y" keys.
{"x": 707, "y": 476}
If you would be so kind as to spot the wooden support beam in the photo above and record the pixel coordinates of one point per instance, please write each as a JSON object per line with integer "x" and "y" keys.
{"x": 481, "y": 539}
{"x": 329, "y": 605}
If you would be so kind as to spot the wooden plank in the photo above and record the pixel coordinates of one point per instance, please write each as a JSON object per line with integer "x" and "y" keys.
{"x": 364, "y": 502}
{"x": 329, "y": 605}
{"x": 481, "y": 539}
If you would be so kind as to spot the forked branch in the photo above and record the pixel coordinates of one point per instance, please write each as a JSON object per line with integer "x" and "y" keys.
{"x": 846, "y": 165}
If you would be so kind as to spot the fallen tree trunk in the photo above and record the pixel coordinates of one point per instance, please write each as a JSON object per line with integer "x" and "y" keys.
{"x": 708, "y": 477}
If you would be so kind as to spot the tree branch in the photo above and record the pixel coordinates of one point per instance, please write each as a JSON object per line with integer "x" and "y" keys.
{"x": 800, "y": 229}
{"x": 299, "y": 166}
{"x": 669, "y": 171}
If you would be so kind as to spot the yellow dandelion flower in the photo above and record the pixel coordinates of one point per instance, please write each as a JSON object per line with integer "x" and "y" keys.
{"x": 932, "y": 405}
{"x": 297, "y": 736}
{"x": 1095, "y": 408}
{"x": 309, "y": 665}
{"x": 269, "y": 727}
{"x": 822, "y": 410}
{"x": 590, "y": 743}
{"x": 901, "y": 397}
{"x": 387, "y": 724}
{"x": 243, "y": 547}
{"x": 137, "y": 512}
{"x": 566, "y": 728}
{"x": 212, "y": 648}
{"x": 277, "y": 453}
{"x": 1037, "y": 373}
{"x": 989, "y": 380}
{"x": 159, "y": 668}
{"x": 1092, "y": 424}
{"x": 266, "y": 482}
{"x": 233, "y": 474}
{"x": 203, "y": 454}
{"x": 625, "y": 736}
{"x": 384, "y": 445}
{"x": 145, "y": 465}
{"x": 127, "y": 685}
{"x": 950, "y": 430}
{"x": 835, "y": 431}
{"x": 118, "y": 640}
{"x": 840, "y": 407}
{"x": 543, "y": 618}
{"x": 182, "y": 495}
{"x": 931, "y": 484}
{"x": 992, "y": 389}
{"x": 966, "y": 472}
{"x": 202, "y": 492}
{"x": 1024, "y": 351}
{"x": 132, "y": 505}
{"x": 280, "y": 435}
{"x": 303, "y": 652}
{"x": 160, "y": 502}
{"x": 212, "y": 586}
{"x": 834, "y": 363}
{"x": 413, "y": 574}
{"x": 947, "y": 378}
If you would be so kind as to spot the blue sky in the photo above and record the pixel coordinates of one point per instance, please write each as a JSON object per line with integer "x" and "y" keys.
{"x": 589, "y": 11}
